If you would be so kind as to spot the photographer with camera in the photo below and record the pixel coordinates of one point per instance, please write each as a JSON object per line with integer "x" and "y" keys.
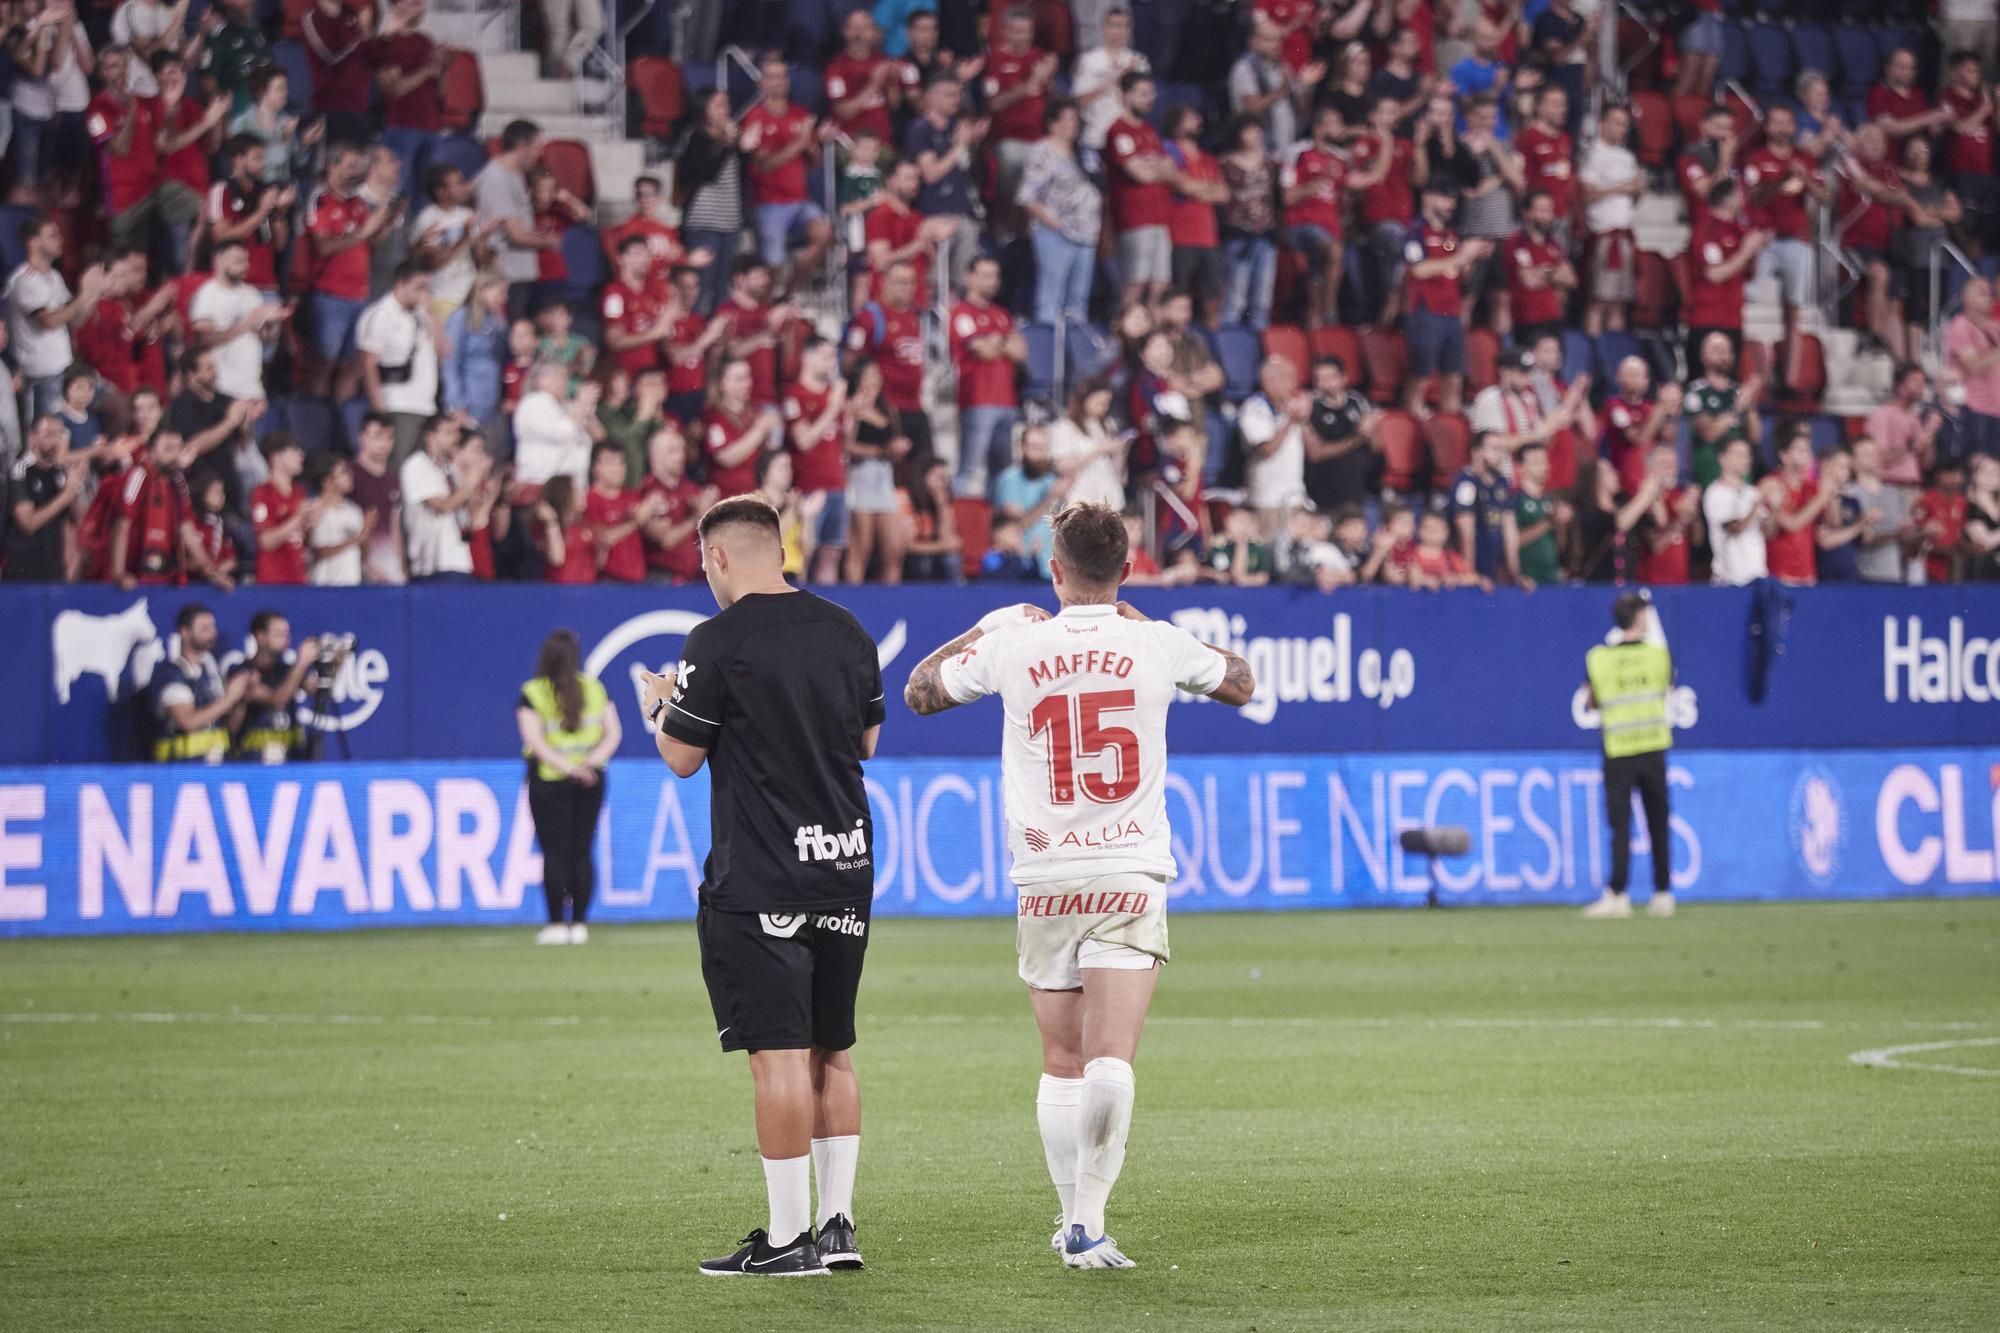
{"x": 187, "y": 702}
{"x": 273, "y": 678}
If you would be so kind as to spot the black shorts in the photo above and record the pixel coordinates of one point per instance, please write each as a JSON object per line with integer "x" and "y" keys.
{"x": 782, "y": 983}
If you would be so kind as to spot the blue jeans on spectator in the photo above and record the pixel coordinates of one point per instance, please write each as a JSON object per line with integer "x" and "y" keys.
{"x": 1252, "y": 262}
{"x": 1385, "y": 273}
{"x": 28, "y": 132}
{"x": 332, "y": 326}
{"x": 411, "y": 148}
{"x": 985, "y": 449}
{"x": 42, "y": 393}
{"x": 715, "y": 277}
{"x": 1063, "y": 270}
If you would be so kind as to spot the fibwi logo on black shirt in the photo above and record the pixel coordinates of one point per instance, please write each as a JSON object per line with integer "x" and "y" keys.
{"x": 816, "y": 844}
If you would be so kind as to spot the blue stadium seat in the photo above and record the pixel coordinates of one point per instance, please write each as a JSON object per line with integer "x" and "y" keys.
{"x": 809, "y": 88}
{"x": 1856, "y": 111}
{"x": 697, "y": 77}
{"x": 583, "y": 254}
{"x": 1859, "y": 60}
{"x": 291, "y": 58}
{"x": 1735, "y": 62}
{"x": 1735, "y": 9}
{"x": 808, "y": 28}
{"x": 1091, "y": 351}
{"x": 453, "y": 150}
{"x": 1826, "y": 433}
{"x": 313, "y": 421}
{"x": 1041, "y": 340}
{"x": 1812, "y": 48}
{"x": 13, "y": 253}
{"x": 1579, "y": 357}
{"x": 1889, "y": 40}
{"x": 1237, "y": 351}
{"x": 1183, "y": 94}
{"x": 1612, "y": 348}
{"x": 1771, "y": 59}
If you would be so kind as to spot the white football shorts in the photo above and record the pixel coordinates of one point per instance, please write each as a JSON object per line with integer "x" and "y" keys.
{"x": 1111, "y": 921}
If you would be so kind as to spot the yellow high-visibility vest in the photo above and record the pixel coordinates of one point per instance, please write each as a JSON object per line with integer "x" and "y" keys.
{"x": 572, "y": 745}
{"x": 1631, "y": 682}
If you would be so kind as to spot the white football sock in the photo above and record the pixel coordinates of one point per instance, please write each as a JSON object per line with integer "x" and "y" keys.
{"x": 1056, "y": 1105}
{"x": 788, "y": 1182}
{"x": 1104, "y": 1117}
{"x": 833, "y": 1166}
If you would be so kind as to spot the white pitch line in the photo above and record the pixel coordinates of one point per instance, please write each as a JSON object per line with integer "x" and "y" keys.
{"x": 1890, "y": 1057}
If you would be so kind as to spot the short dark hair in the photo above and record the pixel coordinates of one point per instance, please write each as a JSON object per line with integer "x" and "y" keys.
{"x": 1625, "y": 611}
{"x": 1532, "y": 446}
{"x": 277, "y": 442}
{"x": 236, "y": 145}
{"x": 603, "y": 447}
{"x": 748, "y": 509}
{"x": 651, "y": 180}
{"x": 517, "y": 133}
{"x": 382, "y": 419}
{"x": 1528, "y": 199}
{"x": 1328, "y": 359}
{"x": 407, "y": 270}
{"x": 1132, "y": 78}
{"x": 745, "y": 264}
{"x": 189, "y": 613}
{"x": 1090, "y": 541}
{"x": 1720, "y": 191}
{"x": 232, "y": 243}
{"x": 319, "y": 467}
{"x": 75, "y": 373}
{"x": 262, "y": 620}
{"x": 435, "y": 177}
{"x": 629, "y": 242}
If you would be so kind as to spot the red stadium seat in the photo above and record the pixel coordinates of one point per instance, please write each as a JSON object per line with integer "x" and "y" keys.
{"x": 1292, "y": 285}
{"x": 1289, "y": 341}
{"x": 1804, "y": 384}
{"x": 975, "y": 532}
{"x": 1388, "y": 361}
{"x": 569, "y": 160}
{"x": 1639, "y": 51}
{"x": 1449, "y": 436}
{"x": 1482, "y": 360}
{"x": 462, "y": 94}
{"x": 1652, "y": 129}
{"x": 1656, "y": 299}
{"x": 1402, "y": 441}
{"x": 662, "y": 94}
{"x": 1689, "y": 108}
{"x": 1754, "y": 362}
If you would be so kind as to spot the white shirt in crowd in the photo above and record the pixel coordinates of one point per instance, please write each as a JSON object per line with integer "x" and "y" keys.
{"x": 38, "y": 352}
{"x": 435, "y": 542}
{"x": 451, "y": 284}
{"x": 1102, "y": 68}
{"x": 1100, "y": 481}
{"x": 400, "y": 335}
{"x": 548, "y": 441}
{"x": 143, "y": 21}
{"x": 339, "y": 521}
{"x": 1066, "y": 679}
{"x": 1276, "y": 480}
{"x": 69, "y": 86}
{"x": 1739, "y": 557}
{"x": 1604, "y": 168}
{"x": 239, "y": 362}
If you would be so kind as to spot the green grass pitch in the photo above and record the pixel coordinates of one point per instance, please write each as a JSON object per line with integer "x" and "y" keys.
{"x": 1464, "y": 1119}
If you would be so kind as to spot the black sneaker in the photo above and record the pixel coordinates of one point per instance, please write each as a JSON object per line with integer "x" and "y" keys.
{"x": 760, "y": 1258}
{"x": 836, "y": 1243}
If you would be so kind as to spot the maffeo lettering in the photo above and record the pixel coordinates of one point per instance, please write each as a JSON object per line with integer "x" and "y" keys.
{"x": 1938, "y": 669}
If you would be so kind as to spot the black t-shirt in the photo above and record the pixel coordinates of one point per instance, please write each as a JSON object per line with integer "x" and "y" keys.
{"x": 189, "y": 416}
{"x": 1395, "y": 87}
{"x": 35, "y": 557}
{"x": 1343, "y": 480}
{"x": 779, "y": 689}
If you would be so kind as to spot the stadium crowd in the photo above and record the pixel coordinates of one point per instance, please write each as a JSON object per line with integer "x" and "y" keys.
{"x": 1318, "y": 326}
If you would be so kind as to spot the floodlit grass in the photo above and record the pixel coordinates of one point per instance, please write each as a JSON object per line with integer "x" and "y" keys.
{"x": 1475, "y": 1120}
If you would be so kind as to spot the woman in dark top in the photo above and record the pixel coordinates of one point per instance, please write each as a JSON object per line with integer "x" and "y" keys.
{"x": 711, "y": 175}
{"x": 1249, "y": 224}
{"x": 875, "y": 447}
{"x": 1347, "y": 91}
{"x": 1594, "y": 546}
{"x": 1922, "y": 228}
{"x": 935, "y": 552}
{"x": 1439, "y": 155}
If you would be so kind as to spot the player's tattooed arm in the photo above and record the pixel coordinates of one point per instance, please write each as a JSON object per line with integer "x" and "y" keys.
{"x": 1237, "y": 683}
{"x": 926, "y": 694}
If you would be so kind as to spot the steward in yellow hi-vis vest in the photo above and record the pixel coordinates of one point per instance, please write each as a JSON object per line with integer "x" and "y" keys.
{"x": 1630, "y": 680}
{"x": 569, "y": 731}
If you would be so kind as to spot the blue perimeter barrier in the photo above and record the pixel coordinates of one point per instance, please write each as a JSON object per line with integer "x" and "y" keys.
{"x": 438, "y": 670}
{"x": 100, "y": 850}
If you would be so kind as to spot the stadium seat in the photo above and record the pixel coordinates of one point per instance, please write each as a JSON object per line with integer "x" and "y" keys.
{"x": 809, "y": 28}
{"x": 569, "y": 161}
{"x": 291, "y": 57}
{"x": 461, "y": 93}
{"x": 1689, "y": 108}
{"x": 1237, "y": 352}
{"x": 1735, "y": 63}
{"x": 1771, "y": 59}
{"x": 1890, "y": 39}
{"x": 1859, "y": 60}
{"x": 1449, "y": 438}
{"x": 1656, "y": 300}
{"x": 1041, "y": 340}
{"x": 809, "y": 88}
{"x": 452, "y": 150}
{"x": 662, "y": 95}
{"x": 975, "y": 532}
{"x": 698, "y": 79}
{"x": 1182, "y": 94}
{"x": 1653, "y": 136}
{"x": 13, "y": 251}
{"x": 1612, "y": 349}
{"x": 1748, "y": 117}
{"x": 1826, "y": 431}
{"x": 1754, "y": 361}
{"x": 1402, "y": 444}
{"x": 1336, "y": 340}
{"x": 1289, "y": 341}
{"x": 1089, "y": 351}
{"x": 1388, "y": 360}
{"x": 1806, "y": 385}
{"x": 1812, "y": 48}
{"x": 1639, "y": 53}
{"x": 1482, "y": 359}
{"x": 582, "y": 253}
{"x": 1579, "y": 357}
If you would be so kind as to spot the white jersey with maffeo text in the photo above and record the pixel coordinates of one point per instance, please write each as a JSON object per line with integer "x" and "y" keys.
{"x": 1083, "y": 758}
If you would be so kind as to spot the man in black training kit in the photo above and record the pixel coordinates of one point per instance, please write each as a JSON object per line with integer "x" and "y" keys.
{"x": 782, "y": 694}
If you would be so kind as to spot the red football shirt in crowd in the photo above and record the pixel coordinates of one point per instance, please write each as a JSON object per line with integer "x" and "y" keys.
{"x": 1004, "y": 72}
{"x": 1321, "y": 207}
{"x": 1296, "y": 53}
{"x": 187, "y": 164}
{"x": 1134, "y": 204}
{"x": 720, "y": 430}
{"x": 1885, "y": 102}
{"x": 1716, "y": 305}
{"x": 1771, "y": 206}
{"x": 981, "y": 383}
{"x": 106, "y": 342}
{"x": 131, "y": 175}
{"x": 1948, "y": 513}
{"x": 693, "y": 376}
{"x": 1968, "y": 154}
{"x": 227, "y": 203}
{"x": 579, "y": 563}
{"x": 1533, "y": 305}
{"x": 1191, "y": 222}
{"x": 1391, "y": 199}
{"x": 1546, "y": 162}
{"x": 821, "y": 467}
{"x": 1622, "y": 419}
{"x": 682, "y": 560}
{"x": 1439, "y": 293}
{"x": 895, "y": 338}
{"x": 341, "y": 74}
{"x": 898, "y": 226}
{"x": 845, "y": 78}
{"x": 272, "y": 508}
{"x": 1794, "y": 556}
{"x": 633, "y": 313}
{"x": 747, "y": 321}
{"x": 625, "y": 562}
{"x": 1668, "y": 566}
{"x": 1872, "y": 229}
{"x": 420, "y": 108}
{"x": 767, "y": 131}
{"x": 344, "y": 275}
{"x": 663, "y": 246}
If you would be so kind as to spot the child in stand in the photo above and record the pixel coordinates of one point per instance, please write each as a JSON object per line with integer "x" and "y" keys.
{"x": 1435, "y": 564}
{"x": 858, "y": 190}
{"x": 556, "y": 211}
{"x": 522, "y": 340}
{"x": 1398, "y": 537}
{"x": 560, "y": 344}
{"x": 210, "y": 505}
{"x": 487, "y": 522}
{"x": 343, "y": 529}
{"x": 282, "y": 513}
{"x": 1005, "y": 559}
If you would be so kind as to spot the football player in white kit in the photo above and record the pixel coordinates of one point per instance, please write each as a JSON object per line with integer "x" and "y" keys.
{"x": 1084, "y": 768}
